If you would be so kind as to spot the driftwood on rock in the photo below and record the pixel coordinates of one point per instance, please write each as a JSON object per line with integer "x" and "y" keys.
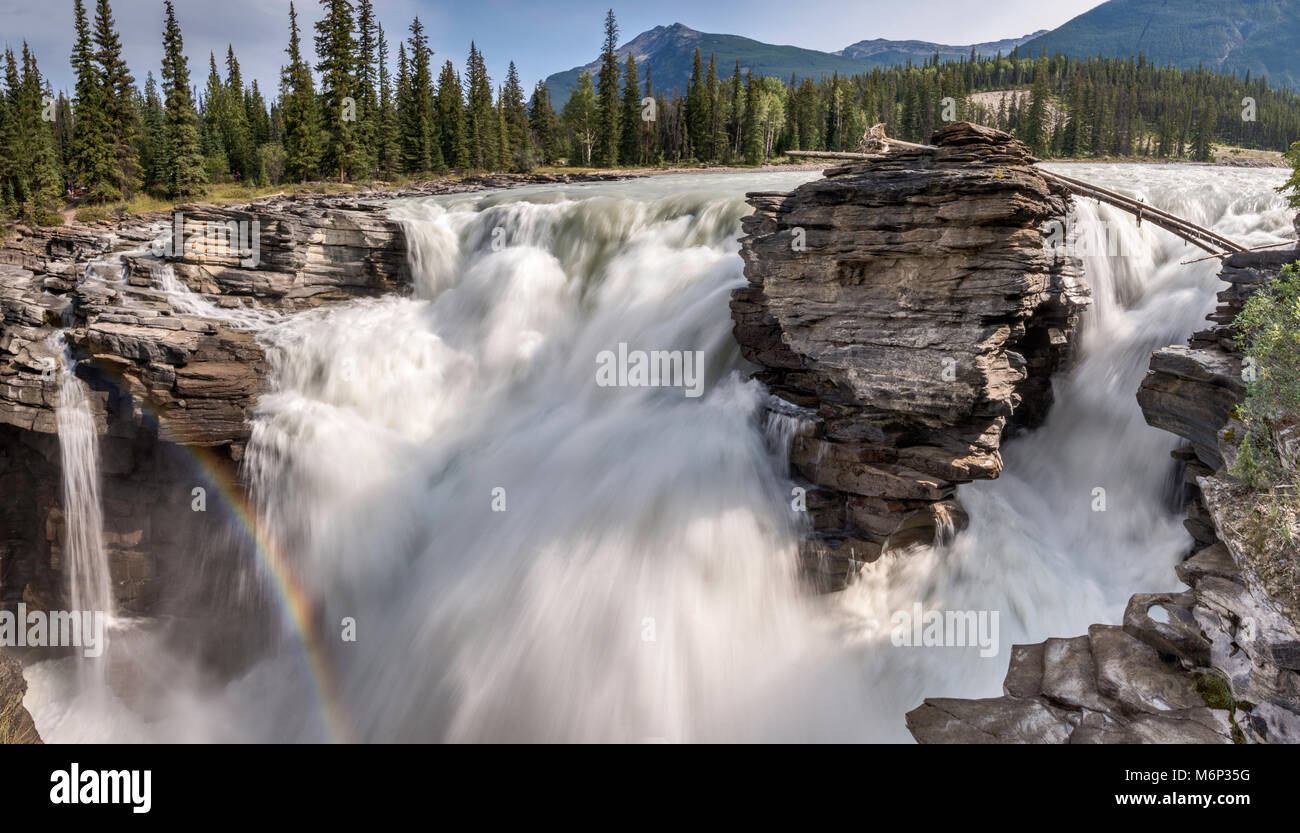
{"x": 876, "y": 145}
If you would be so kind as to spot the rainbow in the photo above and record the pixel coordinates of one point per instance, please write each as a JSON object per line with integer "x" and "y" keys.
{"x": 293, "y": 598}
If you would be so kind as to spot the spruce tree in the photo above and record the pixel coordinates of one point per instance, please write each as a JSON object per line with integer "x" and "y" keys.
{"x": 154, "y": 157}
{"x": 386, "y": 134}
{"x": 481, "y": 122}
{"x": 119, "y": 100}
{"x": 607, "y": 97}
{"x": 369, "y": 116}
{"x": 514, "y": 113}
{"x": 185, "y": 177}
{"x": 336, "y": 48}
{"x": 697, "y": 111}
{"x": 10, "y": 141}
{"x": 451, "y": 118}
{"x": 211, "y": 117}
{"x": 236, "y": 132}
{"x": 752, "y": 138}
{"x": 632, "y": 127}
{"x": 421, "y": 150}
{"x": 503, "y": 133}
{"x": 581, "y": 119}
{"x": 541, "y": 122}
{"x": 94, "y": 167}
{"x": 715, "y": 138}
{"x": 736, "y": 124}
{"x": 298, "y": 111}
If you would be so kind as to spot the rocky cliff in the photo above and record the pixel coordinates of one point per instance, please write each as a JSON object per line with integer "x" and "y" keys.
{"x": 173, "y": 375}
{"x": 1218, "y": 662}
{"x": 912, "y": 309}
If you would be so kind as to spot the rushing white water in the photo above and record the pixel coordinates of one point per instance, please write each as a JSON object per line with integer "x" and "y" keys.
{"x": 242, "y": 316}
{"x": 89, "y": 584}
{"x": 530, "y": 556}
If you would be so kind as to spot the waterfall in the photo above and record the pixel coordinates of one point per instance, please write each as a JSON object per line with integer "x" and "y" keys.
{"x": 89, "y": 584}
{"x": 530, "y": 555}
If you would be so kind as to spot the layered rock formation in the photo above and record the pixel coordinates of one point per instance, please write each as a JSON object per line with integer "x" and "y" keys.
{"x": 1219, "y": 662}
{"x": 912, "y": 310}
{"x": 172, "y": 373}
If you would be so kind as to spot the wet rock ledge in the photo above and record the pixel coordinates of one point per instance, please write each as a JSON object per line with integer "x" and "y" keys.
{"x": 910, "y": 310}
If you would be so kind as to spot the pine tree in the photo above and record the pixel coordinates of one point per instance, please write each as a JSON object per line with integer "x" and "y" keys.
{"x": 1033, "y": 131}
{"x": 212, "y": 115}
{"x": 298, "y": 111}
{"x": 93, "y": 162}
{"x": 336, "y": 49}
{"x": 236, "y": 132}
{"x": 515, "y": 113}
{"x": 736, "y": 124}
{"x": 421, "y": 148}
{"x": 369, "y": 116}
{"x": 836, "y": 135}
{"x": 697, "y": 110}
{"x": 503, "y": 132}
{"x": 153, "y": 159}
{"x": 119, "y": 100}
{"x": 607, "y": 97}
{"x": 541, "y": 121}
{"x": 580, "y": 117}
{"x": 386, "y": 135}
{"x": 714, "y": 140}
{"x": 752, "y": 139}
{"x": 631, "y": 130}
{"x": 31, "y": 179}
{"x": 1202, "y": 148}
{"x": 185, "y": 177}
{"x": 481, "y": 122}
{"x": 451, "y": 118}
{"x": 12, "y": 168}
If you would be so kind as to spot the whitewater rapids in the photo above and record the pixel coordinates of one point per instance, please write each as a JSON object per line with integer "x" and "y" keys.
{"x": 530, "y": 556}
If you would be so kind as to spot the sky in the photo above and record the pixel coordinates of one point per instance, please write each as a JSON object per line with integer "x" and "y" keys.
{"x": 541, "y": 37}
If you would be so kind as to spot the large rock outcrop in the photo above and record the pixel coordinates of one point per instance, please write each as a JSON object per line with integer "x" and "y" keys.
{"x": 912, "y": 308}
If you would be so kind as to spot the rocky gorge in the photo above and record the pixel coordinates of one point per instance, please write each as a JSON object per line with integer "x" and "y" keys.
{"x": 905, "y": 315}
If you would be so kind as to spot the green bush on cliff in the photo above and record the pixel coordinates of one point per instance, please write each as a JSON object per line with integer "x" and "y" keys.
{"x": 1268, "y": 332}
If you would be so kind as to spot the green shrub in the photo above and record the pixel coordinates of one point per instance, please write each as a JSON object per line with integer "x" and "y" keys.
{"x": 1268, "y": 332}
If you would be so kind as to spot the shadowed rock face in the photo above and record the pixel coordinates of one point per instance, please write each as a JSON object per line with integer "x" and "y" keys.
{"x": 911, "y": 305}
